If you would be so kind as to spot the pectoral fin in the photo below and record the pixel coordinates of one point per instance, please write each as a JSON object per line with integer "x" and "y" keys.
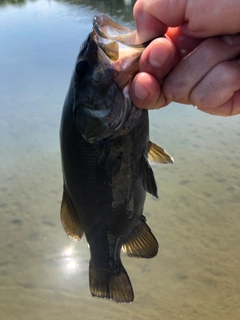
{"x": 69, "y": 218}
{"x": 148, "y": 180}
{"x": 158, "y": 155}
{"x": 141, "y": 243}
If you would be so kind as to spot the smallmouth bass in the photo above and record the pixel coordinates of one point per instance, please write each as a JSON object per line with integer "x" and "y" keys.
{"x": 106, "y": 155}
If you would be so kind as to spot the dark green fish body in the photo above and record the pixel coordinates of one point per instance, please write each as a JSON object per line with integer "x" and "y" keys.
{"x": 105, "y": 149}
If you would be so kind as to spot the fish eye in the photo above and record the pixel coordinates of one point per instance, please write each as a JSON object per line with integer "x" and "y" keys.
{"x": 82, "y": 68}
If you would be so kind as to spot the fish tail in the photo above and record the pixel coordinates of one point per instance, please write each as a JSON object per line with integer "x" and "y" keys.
{"x": 110, "y": 285}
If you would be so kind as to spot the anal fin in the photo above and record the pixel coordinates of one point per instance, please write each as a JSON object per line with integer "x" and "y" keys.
{"x": 115, "y": 286}
{"x": 69, "y": 218}
{"x": 141, "y": 243}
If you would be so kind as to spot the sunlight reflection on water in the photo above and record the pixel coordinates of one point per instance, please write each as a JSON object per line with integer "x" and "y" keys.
{"x": 70, "y": 261}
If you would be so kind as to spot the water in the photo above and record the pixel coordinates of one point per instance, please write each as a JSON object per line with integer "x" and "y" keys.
{"x": 44, "y": 275}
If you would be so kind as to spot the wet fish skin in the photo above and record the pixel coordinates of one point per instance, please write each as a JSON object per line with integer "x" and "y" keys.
{"x": 104, "y": 148}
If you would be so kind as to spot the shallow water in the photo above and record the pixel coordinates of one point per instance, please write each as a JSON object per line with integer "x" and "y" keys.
{"x": 196, "y": 220}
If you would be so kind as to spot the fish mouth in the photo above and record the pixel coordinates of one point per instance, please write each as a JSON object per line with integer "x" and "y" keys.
{"x": 117, "y": 47}
{"x": 114, "y": 39}
{"x": 108, "y": 29}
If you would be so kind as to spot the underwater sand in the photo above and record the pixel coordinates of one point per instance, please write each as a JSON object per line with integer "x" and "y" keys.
{"x": 196, "y": 275}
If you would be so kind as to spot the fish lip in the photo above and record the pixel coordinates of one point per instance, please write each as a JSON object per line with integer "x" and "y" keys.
{"x": 99, "y": 20}
{"x": 117, "y": 43}
{"x": 107, "y": 29}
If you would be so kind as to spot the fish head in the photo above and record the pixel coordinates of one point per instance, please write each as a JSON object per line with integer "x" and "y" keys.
{"x": 107, "y": 62}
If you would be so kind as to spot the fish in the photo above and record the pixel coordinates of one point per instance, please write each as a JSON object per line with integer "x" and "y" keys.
{"x": 106, "y": 159}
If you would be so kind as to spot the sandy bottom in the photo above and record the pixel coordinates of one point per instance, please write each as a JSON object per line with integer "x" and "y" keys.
{"x": 196, "y": 221}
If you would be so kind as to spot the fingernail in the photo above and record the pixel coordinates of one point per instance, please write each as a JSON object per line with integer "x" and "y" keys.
{"x": 158, "y": 57}
{"x": 140, "y": 90}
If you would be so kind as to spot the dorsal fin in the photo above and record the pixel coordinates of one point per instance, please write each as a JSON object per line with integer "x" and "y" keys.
{"x": 141, "y": 243}
{"x": 158, "y": 155}
{"x": 69, "y": 218}
{"x": 148, "y": 180}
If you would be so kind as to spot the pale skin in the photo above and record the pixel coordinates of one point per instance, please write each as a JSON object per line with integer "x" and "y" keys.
{"x": 197, "y": 63}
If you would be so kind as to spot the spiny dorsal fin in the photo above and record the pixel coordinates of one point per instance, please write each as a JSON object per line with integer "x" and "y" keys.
{"x": 141, "y": 243}
{"x": 148, "y": 180}
{"x": 158, "y": 155}
{"x": 109, "y": 285}
{"x": 69, "y": 218}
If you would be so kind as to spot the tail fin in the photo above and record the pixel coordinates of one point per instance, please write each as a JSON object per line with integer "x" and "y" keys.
{"x": 108, "y": 285}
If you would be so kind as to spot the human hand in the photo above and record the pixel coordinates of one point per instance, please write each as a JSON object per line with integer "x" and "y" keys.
{"x": 199, "y": 60}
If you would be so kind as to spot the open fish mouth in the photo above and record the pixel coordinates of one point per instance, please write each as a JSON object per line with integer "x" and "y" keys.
{"x": 117, "y": 48}
{"x": 108, "y": 29}
{"x": 116, "y": 41}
